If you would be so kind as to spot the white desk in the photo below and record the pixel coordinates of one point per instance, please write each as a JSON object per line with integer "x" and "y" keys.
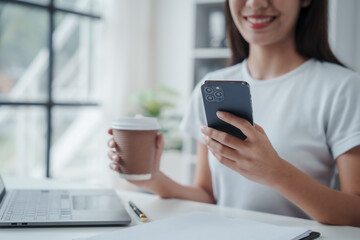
{"x": 157, "y": 208}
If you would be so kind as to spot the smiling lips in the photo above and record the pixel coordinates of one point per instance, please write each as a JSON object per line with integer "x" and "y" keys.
{"x": 257, "y": 21}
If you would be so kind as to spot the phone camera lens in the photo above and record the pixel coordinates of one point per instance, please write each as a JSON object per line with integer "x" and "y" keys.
{"x": 218, "y": 94}
{"x": 209, "y": 98}
{"x": 208, "y": 90}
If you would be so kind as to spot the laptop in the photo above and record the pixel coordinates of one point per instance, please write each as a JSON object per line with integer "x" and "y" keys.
{"x": 44, "y": 208}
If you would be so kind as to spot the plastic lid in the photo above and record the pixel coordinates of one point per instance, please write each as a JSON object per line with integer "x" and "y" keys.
{"x": 136, "y": 123}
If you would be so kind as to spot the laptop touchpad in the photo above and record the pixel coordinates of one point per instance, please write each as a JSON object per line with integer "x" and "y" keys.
{"x": 90, "y": 202}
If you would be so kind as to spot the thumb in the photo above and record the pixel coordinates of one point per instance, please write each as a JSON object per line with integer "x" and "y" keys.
{"x": 159, "y": 145}
{"x": 159, "y": 148}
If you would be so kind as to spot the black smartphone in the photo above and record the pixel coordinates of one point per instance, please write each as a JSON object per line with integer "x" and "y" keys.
{"x": 227, "y": 96}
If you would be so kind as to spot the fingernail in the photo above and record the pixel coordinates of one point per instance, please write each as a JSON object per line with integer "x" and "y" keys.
{"x": 203, "y": 129}
{"x": 220, "y": 114}
{"x": 206, "y": 138}
{"x": 114, "y": 157}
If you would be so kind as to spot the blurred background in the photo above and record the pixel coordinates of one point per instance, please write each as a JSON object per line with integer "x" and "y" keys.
{"x": 68, "y": 67}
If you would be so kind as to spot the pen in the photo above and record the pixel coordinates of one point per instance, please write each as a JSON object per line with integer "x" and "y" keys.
{"x": 141, "y": 215}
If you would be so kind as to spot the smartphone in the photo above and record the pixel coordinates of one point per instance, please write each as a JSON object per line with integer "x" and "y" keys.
{"x": 228, "y": 96}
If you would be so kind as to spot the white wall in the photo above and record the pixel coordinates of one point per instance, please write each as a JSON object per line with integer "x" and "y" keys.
{"x": 128, "y": 52}
{"x": 174, "y": 44}
{"x": 344, "y": 29}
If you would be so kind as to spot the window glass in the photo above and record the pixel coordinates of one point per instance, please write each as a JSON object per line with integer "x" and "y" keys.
{"x": 87, "y": 6}
{"x": 76, "y": 143}
{"x": 75, "y": 43}
{"x": 43, "y": 2}
{"x": 24, "y": 67}
{"x": 24, "y": 55}
{"x": 22, "y": 141}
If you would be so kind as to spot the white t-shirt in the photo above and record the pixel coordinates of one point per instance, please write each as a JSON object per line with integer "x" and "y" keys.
{"x": 311, "y": 116}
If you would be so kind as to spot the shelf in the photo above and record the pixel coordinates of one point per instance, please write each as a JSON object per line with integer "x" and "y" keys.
{"x": 204, "y": 66}
{"x": 212, "y": 53}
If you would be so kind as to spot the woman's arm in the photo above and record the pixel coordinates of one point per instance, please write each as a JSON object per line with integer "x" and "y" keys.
{"x": 324, "y": 204}
{"x": 201, "y": 191}
{"x": 164, "y": 186}
{"x": 256, "y": 159}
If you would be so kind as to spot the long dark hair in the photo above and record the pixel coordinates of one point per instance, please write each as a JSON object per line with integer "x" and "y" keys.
{"x": 311, "y": 34}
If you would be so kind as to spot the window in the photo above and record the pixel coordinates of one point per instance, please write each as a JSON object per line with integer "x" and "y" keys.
{"x": 47, "y": 83}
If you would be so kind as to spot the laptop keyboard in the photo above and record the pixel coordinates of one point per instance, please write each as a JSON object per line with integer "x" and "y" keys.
{"x": 39, "y": 205}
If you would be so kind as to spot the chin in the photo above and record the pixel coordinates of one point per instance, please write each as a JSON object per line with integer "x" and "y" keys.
{"x": 260, "y": 41}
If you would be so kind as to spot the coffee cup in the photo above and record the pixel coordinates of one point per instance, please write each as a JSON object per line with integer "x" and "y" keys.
{"x": 135, "y": 139}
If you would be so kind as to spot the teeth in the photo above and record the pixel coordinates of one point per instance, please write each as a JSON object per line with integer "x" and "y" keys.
{"x": 258, "y": 20}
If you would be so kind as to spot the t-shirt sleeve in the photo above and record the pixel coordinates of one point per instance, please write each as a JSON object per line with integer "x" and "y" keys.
{"x": 343, "y": 131}
{"x": 194, "y": 116}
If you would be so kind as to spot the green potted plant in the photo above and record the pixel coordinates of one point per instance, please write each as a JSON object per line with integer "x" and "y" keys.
{"x": 152, "y": 103}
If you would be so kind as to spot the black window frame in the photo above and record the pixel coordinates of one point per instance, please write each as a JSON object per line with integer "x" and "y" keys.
{"x": 49, "y": 104}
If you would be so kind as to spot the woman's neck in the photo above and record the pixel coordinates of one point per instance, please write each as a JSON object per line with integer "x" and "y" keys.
{"x": 268, "y": 62}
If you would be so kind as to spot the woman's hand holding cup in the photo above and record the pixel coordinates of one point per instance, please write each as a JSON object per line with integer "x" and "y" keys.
{"x": 136, "y": 149}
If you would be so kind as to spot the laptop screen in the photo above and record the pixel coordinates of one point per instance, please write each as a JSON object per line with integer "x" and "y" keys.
{"x": 2, "y": 189}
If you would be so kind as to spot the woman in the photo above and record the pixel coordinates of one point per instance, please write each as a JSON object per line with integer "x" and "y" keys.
{"x": 307, "y": 105}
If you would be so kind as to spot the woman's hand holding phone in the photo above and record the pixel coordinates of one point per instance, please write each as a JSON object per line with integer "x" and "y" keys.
{"x": 229, "y": 96}
{"x": 254, "y": 158}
